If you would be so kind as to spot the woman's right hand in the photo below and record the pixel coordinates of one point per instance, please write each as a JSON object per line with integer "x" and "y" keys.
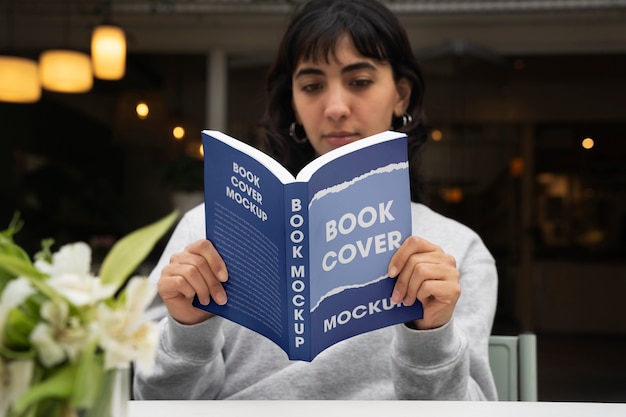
{"x": 198, "y": 269}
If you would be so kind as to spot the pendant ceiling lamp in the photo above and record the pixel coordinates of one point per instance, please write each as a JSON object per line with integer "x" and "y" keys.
{"x": 65, "y": 71}
{"x": 19, "y": 80}
{"x": 108, "y": 52}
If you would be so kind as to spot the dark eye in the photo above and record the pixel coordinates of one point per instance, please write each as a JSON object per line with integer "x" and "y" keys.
{"x": 309, "y": 88}
{"x": 362, "y": 82}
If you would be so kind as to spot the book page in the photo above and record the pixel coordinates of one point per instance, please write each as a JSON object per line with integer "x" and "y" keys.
{"x": 270, "y": 163}
{"x": 305, "y": 174}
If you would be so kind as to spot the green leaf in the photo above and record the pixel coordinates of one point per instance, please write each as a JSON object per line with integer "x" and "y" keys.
{"x": 128, "y": 252}
{"x": 88, "y": 378}
{"x": 24, "y": 268}
{"x": 14, "y": 227}
{"x": 9, "y": 248}
{"x": 17, "y": 266}
{"x": 7, "y": 245}
{"x": 45, "y": 254}
{"x": 7, "y": 353}
{"x": 17, "y": 328}
{"x": 57, "y": 385}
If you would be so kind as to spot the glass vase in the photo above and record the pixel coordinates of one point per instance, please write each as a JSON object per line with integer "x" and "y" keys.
{"x": 113, "y": 396}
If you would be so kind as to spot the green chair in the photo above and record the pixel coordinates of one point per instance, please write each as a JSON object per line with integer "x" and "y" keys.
{"x": 513, "y": 362}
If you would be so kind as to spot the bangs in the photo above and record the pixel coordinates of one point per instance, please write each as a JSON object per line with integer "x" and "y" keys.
{"x": 318, "y": 43}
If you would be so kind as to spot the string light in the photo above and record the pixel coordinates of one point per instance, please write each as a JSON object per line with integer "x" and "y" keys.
{"x": 452, "y": 194}
{"x": 588, "y": 143}
{"x": 516, "y": 166}
{"x": 142, "y": 110}
{"x": 178, "y": 132}
{"x": 436, "y": 135}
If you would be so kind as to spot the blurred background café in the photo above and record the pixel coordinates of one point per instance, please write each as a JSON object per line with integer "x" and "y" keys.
{"x": 102, "y": 104}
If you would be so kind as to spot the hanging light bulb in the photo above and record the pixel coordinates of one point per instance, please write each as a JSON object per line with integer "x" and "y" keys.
{"x": 65, "y": 71}
{"x": 19, "y": 80}
{"x": 108, "y": 52}
{"x": 142, "y": 109}
{"x": 178, "y": 132}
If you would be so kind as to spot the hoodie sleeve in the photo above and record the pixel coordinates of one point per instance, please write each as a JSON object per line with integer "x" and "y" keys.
{"x": 189, "y": 362}
{"x": 452, "y": 362}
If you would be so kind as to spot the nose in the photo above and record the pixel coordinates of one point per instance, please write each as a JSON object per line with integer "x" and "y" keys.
{"x": 337, "y": 103}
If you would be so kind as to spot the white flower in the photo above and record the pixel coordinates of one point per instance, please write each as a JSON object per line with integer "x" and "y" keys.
{"x": 80, "y": 323}
{"x": 73, "y": 258}
{"x": 124, "y": 333}
{"x": 15, "y": 380}
{"x": 14, "y": 294}
{"x": 59, "y": 336}
{"x": 71, "y": 277}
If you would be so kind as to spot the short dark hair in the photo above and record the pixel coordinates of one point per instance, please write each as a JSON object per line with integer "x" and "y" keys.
{"x": 312, "y": 34}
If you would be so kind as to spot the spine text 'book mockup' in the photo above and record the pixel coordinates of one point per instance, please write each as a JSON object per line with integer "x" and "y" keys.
{"x": 307, "y": 256}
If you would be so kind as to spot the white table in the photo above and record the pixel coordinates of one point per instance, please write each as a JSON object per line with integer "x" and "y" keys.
{"x": 371, "y": 409}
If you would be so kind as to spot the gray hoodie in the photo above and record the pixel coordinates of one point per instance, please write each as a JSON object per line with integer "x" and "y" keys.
{"x": 218, "y": 359}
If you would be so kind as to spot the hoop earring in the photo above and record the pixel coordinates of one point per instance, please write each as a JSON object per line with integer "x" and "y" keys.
{"x": 294, "y": 135}
{"x": 398, "y": 122}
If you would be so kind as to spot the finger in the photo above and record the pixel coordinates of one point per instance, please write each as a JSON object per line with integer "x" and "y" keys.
{"x": 439, "y": 291}
{"x": 203, "y": 256}
{"x": 207, "y": 251}
{"x": 185, "y": 279}
{"x": 409, "y": 274}
{"x": 439, "y": 300}
{"x": 177, "y": 295}
{"x": 425, "y": 275}
{"x": 213, "y": 269}
{"x": 174, "y": 286}
{"x": 411, "y": 246}
{"x": 417, "y": 272}
{"x": 217, "y": 292}
{"x": 195, "y": 269}
{"x": 203, "y": 281}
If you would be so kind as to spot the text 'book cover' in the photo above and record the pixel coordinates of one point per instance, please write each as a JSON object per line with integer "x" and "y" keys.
{"x": 308, "y": 256}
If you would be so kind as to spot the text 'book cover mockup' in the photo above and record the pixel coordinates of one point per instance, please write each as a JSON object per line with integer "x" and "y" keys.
{"x": 307, "y": 257}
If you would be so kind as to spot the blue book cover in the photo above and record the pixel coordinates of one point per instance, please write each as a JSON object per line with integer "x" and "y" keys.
{"x": 308, "y": 256}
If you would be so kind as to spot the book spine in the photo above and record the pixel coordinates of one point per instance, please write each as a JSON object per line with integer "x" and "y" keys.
{"x": 298, "y": 272}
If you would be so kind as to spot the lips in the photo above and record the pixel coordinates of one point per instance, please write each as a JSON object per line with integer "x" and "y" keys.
{"x": 337, "y": 139}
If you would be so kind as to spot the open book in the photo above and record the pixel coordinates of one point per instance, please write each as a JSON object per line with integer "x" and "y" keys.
{"x": 307, "y": 257}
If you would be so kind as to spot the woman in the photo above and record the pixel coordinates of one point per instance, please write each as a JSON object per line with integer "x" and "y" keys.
{"x": 344, "y": 71}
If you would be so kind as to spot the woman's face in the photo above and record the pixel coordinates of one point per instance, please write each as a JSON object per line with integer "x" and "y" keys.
{"x": 347, "y": 99}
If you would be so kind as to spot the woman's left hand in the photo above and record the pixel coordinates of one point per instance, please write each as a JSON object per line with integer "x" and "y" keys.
{"x": 428, "y": 274}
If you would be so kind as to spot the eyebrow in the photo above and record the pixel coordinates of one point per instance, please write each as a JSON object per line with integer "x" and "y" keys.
{"x": 348, "y": 68}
